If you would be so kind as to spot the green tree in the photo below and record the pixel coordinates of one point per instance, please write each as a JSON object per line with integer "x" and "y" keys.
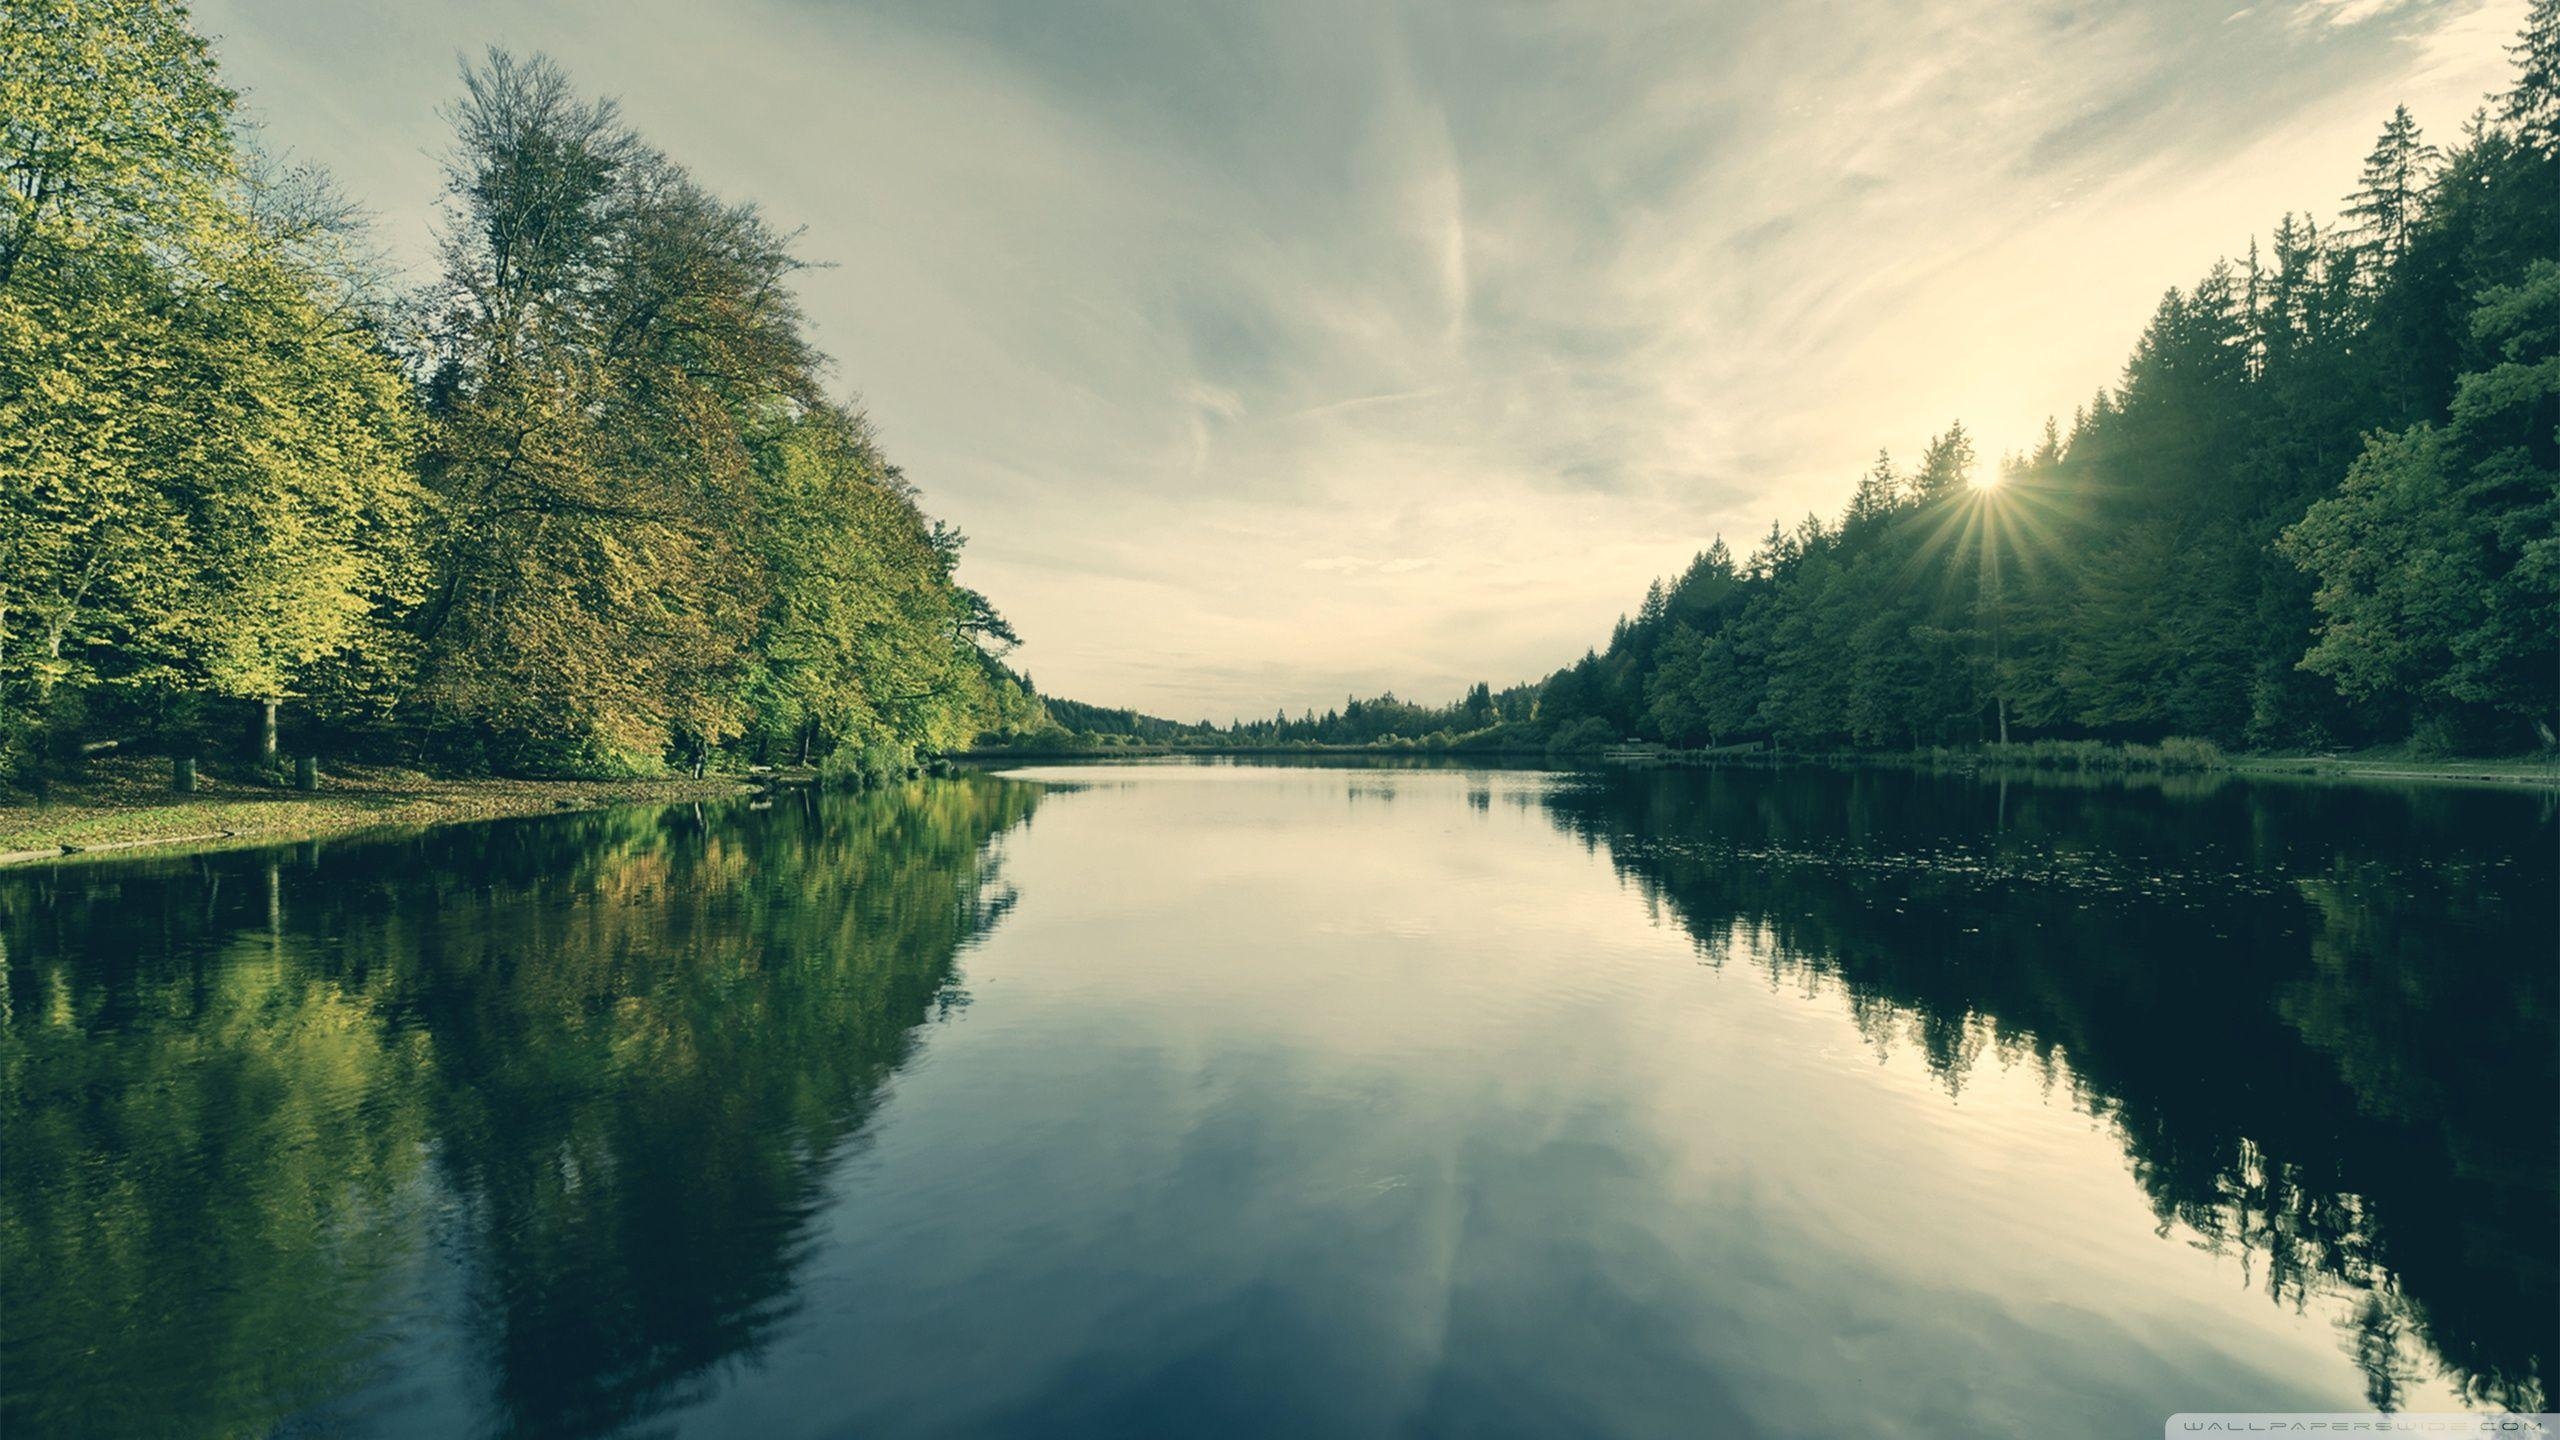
{"x": 204, "y": 443}
{"x": 2532, "y": 106}
{"x": 297, "y": 477}
{"x": 2389, "y": 195}
{"x": 602, "y": 325}
{"x": 2438, "y": 560}
{"x": 114, "y": 148}
{"x": 114, "y": 129}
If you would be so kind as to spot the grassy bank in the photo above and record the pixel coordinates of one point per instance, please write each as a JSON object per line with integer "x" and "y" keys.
{"x": 2401, "y": 765}
{"x": 2177, "y": 755}
{"x": 2173, "y": 756}
{"x": 128, "y": 804}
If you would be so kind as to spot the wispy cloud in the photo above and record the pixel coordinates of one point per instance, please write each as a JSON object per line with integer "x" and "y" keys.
{"x": 1273, "y": 352}
{"x": 2345, "y": 12}
{"x": 1363, "y": 565}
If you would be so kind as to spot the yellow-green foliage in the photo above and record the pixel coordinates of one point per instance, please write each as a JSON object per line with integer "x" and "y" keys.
{"x": 595, "y": 512}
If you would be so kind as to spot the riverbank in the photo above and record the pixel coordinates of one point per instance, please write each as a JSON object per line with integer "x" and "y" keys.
{"x": 2066, "y": 758}
{"x": 128, "y": 805}
{"x": 2393, "y": 765}
{"x": 1142, "y": 750}
{"x": 2172, "y": 758}
{"x": 2179, "y": 757}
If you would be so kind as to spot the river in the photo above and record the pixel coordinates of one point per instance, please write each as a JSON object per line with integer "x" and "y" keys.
{"x": 1262, "y": 1099}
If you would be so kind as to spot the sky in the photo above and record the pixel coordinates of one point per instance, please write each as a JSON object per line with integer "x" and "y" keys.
{"x": 1271, "y": 354}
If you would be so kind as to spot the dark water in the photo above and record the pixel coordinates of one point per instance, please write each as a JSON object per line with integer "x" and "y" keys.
{"x": 1224, "y": 1100}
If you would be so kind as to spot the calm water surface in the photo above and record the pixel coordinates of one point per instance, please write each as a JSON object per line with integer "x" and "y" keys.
{"x": 1261, "y": 1100}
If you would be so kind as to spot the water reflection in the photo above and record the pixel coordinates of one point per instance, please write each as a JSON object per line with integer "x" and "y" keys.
{"x": 1297, "y": 1102}
{"x": 2319, "y": 1018}
{"x": 264, "y": 1110}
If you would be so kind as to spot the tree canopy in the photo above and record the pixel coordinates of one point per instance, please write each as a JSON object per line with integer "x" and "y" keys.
{"x": 583, "y": 503}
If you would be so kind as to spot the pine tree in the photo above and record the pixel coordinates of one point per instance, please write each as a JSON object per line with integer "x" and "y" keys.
{"x": 1946, "y": 467}
{"x": 2392, "y": 191}
{"x": 1877, "y": 493}
{"x": 2533, "y": 106}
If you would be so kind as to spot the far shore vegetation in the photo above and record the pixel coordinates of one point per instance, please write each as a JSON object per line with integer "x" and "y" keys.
{"x": 584, "y": 505}
{"x": 2173, "y": 756}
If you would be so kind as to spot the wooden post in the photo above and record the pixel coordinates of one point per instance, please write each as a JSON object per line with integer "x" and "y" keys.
{"x": 182, "y": 774}
{"x": 306, "y": 772}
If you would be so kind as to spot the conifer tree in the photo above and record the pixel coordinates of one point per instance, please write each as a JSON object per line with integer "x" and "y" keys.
{"x": 2389, "y": 195}
{"x": 2532, "y": 105}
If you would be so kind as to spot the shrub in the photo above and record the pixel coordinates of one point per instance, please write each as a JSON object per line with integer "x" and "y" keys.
{"x": 2176, "y": 753}
{"x": 2181, "y": 752}
{"x": 865, "y": 764}
{"x": 1582, "y": 737}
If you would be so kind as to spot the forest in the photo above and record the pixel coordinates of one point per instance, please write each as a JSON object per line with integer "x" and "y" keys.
{"x": 581, "y": 503}
{"x": 2320, "y": 509}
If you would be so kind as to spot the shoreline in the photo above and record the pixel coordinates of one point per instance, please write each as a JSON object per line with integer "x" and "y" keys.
{"x": 121, "y": 817}
{"x": 2473, "y": 770}
{"x": 127, "y": 814}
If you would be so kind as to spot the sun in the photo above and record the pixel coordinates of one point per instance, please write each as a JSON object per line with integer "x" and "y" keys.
{"x": 1987, "y": 478}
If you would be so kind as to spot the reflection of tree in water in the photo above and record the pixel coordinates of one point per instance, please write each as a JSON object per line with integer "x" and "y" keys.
{"x": 2319, "y": 1018}
{"x": 604, "y": 1059}
{"x": 200, "y": 1151}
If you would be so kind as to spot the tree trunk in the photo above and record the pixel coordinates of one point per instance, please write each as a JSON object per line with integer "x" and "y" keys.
{"x": 267, "y": 732}
{"x": 306, "y": 772}
{"x": 182, "y": 774}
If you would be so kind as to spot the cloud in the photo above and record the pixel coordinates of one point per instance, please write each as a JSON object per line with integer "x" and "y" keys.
{"x": 1362, "y": 565}
{"x": 2345, "y": 12}
{"x": 1269, "y": 353}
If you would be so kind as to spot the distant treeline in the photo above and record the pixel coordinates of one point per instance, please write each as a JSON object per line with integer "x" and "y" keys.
{"x": 2321, "y": 508}
{"x": 580, "y": 503}
{"x": 1357, "y": 722}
